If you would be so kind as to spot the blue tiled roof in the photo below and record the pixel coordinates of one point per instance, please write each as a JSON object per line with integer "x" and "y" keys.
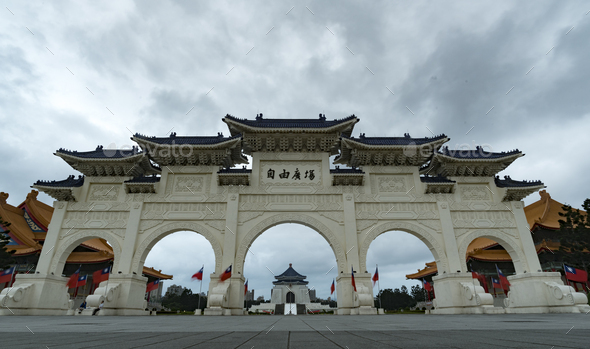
{"x": 144, "y": 179}
{"x": 321, "y": 122}
{"x": 195, "y": 140}
{"x": 477, "y": 153}
{"x": 338, "y": 170}
{"x": 508, "y": 182}
{"x": 235, "y": 170}
{"x": 101, "y": 153}
{"x": 290, "y": 273}
{"x": 406, "y": 140}
{"x": 70, "y": 182}
{"x": 435, "y": 179}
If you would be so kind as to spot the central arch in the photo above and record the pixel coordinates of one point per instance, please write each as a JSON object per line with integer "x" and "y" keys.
{"x": 509, "y": 244}
{"x": 281, "y": 218}
{"x": 414, "y": 229}
{"x": 146, "y": 245}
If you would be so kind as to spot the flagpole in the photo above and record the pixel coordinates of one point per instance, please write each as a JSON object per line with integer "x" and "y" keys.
{"x": 568, "y": 283}
{"x": 378, "y": 285}
{"x": 200, "y": 288}
{"x": 107, "y": 286}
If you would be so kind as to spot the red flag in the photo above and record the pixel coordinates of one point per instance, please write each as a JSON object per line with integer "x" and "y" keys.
{"x": 574, "y": 274}
{"x": 100, "y": 275}
{"x": 427, "y": 285}
{"x": 503, "y": 280}
{"x": 6, "y": 275}
{"x": 496, "y": 283}
{"x": 332, "y": 288}
{"x": 152, "y": 285}
{"x": 481, "y": 278}
{"x": 246, "y": 287}
{"x": 72, "y": 282}
{"x": 353, "y": 283}
{"x": 82, "y": 280}
{"x": 376, "y": 275}
{"x": 198, "y": 275}
{"x": 226, "y": 274}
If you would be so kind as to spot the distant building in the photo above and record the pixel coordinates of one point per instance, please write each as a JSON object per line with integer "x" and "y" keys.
{"x": 249, "y": 296}
{"x": 175, "y": 290}
{"x": 312, "y": 296}
{"x": 260, "y": 299}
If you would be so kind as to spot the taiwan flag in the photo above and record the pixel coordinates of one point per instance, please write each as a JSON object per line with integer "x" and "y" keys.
{"x": 82, "y": 280}
{"x": 152, "y": 285}
{"x": 198, "y": 275}
{"x": 376, "y": 275}
{"x": 246, "y": 287}
{"x": 496, "y": 283}
{"x": 226, "y": 274}
{"x": 6, "y": 275}
{"x": 101, "y": 275}
{"x": 575, "y": 275}
{"x": 353, "y": 283}
{"x": 481, "y": 279}
{"x": 73, "y": 281}
{"x": 503, "y": 279}
{"x": 332, "y": 288}
{"x": 427, "y": 285}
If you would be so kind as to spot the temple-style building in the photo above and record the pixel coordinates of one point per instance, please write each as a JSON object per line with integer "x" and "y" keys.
{"x": 290, "y": 295}
{"x": 29, "y": 223}
{"x": 483, "y": 254}
{"x": 290, "y": 287}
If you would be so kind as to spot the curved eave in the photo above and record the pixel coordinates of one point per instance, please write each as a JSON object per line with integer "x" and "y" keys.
{"x": 236, "y": 127}
{"x": 423, "y": 273}
{"x": 69, "y": 157}
{"x": 229, "y": 143}
{"x": 354, "y": 144}
{"x": 508, "y": 158}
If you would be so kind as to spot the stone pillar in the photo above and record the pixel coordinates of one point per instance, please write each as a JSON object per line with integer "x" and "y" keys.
{"x": 52, "y": 237}
{"x": 36, "y": 294}
{"x": 130, "y": 239}
{"x": 449, "y": 238}
{"x": 532, "y": 264}
{"x": 347, "y": 300}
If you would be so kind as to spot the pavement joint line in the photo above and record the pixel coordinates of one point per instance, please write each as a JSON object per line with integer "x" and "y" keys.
{"x": 229, "y": 230}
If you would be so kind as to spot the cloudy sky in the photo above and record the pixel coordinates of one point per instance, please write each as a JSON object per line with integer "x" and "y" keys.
{"x": 503, "y": 74}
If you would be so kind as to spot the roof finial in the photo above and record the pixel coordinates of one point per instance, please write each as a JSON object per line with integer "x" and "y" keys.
{"x": 3, "y": 197}
{"x": 290, "y": 265}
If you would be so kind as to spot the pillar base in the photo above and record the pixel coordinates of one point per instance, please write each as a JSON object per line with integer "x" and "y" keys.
{"x": 36, "y": 294}
{"x": 459, "y": 293}
{"x": 543, "y": 293}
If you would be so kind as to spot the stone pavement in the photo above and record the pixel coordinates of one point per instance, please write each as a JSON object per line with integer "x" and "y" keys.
{"x": 311, "y": 331}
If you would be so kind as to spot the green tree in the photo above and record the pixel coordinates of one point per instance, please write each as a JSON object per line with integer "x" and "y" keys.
{"x": 574, "y": 237}
{"x": 398, "y": 298}
{"x": 6, "y": 259}
{"x": 418, "y": 293}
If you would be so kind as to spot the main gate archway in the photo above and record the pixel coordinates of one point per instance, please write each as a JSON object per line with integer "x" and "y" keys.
{"x": 134, "y": 197}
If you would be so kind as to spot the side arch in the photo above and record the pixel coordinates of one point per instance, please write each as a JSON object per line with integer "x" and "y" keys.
{"x": 510, "y": 245}
{"x": 425, "y": 236}
{"x": 141, "y": 251}
{"x": 281, "y": 218}
{"x": 66, "y": 246}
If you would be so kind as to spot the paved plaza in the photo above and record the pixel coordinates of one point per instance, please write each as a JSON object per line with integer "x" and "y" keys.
{"x": 318, "y": 331}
